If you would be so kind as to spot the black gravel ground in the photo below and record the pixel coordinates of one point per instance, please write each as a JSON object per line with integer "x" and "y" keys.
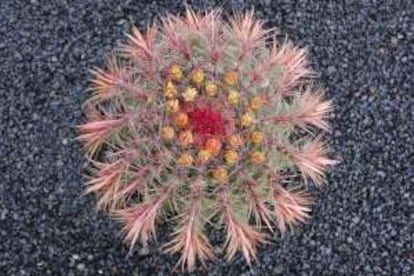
{"x": 363, "y": 220}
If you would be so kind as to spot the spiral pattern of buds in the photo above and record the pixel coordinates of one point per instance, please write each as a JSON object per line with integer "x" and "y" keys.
{"x": 209, "y": 119}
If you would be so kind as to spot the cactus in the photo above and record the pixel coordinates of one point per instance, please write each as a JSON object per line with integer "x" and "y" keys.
{"x": 202, "y": 120}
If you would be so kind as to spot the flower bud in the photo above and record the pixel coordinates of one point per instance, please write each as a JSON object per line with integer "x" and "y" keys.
{"x": 230, "y": 78}
{"x": 197, "y": 77}
{"x": 190, "y": 94}
{"x": 213, "y": 146}
{"x": 233, "y": 97}
{"x": 257, "y": 137}
{"x": 185, "y": 160}
{"x": 186, "y": 138}
{"x": 220, "y": 175}
{"x": 231, "y": 157}
{"x": 181, "y": 119}
{"x": 234, "y": 141}
{"x": 257, "y": 157}
{"x": 211, "y": 89}
{"x": 203, "y": 156}
{"x": 167, "y": 133}
{"x": 170, "y": 91}
{"x": 173, "y": 106}
{"x": 176, "y": 74}
{"x": 256, "y": 103}
{"x": 247, "y": 119}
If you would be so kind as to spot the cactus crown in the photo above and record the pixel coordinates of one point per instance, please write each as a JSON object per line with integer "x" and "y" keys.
{"x": 204, "y": 117}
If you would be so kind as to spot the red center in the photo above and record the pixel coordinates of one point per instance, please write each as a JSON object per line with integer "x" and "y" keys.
{"x": 207, "y": 122}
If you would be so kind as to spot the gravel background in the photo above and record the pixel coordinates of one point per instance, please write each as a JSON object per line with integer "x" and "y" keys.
{"x": 363, "y": 220}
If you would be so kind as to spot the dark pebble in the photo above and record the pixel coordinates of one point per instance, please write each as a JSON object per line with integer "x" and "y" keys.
{"x": 363, "y": 51}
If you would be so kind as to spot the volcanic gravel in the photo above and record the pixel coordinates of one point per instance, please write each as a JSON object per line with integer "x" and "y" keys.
{"x": 363, "y": 219}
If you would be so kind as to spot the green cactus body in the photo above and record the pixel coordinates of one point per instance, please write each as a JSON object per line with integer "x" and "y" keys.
{"x": 205, "y": 120}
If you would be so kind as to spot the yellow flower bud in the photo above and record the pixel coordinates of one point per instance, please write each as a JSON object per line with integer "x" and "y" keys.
{"x": 231, "y": 157}
{"x": 185, "y": 160}
{"x": 197, "y": 77}
{"x": 257, "y": 137}
{"x": 233, "y": 97}
{"x": 234, "y": 141}
{"x": 185, "y": 138}
{"x": 173, "y": 106}
{"x": 257, "y": 157}
{"x": 211, "y": 89}
{"x": 203, "y": 156}
{"x": 256, "y": 103}
{"x": 176, "y": 74}
{"x": 213, "y": 146}
{"x": 181, "y": 119}
{"x": 220, "y": 175}
{"x": 190, "y": 94}
{"x": 167, "y": 133}
{"x": 170, "y": 91}
{"x": 230, "y": 78}
{"x": 246, "y": 119}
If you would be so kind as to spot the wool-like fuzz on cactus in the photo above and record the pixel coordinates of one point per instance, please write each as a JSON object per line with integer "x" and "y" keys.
{"x": 205, "y": 121}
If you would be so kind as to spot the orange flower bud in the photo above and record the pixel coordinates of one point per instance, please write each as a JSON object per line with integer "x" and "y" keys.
{"x": 167, "y": 133}
{"x": 235, "y": 141}
{"x": 186, "y": 138}
{"x": 257, "y": 157}
{"x": 181, "y": 119}
{"x": 257, "y": 137}
{"x": 231, "y": 157}
{"x": 220, "y": 175}
{"x": 230, "y": 78}
{"x": 185, "y": 160}
{"x": 213, "y": 145}
{"x": 203, "y": 156}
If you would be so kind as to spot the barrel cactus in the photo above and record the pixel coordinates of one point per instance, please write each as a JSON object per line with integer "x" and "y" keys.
{"x": 205, "y": 121}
